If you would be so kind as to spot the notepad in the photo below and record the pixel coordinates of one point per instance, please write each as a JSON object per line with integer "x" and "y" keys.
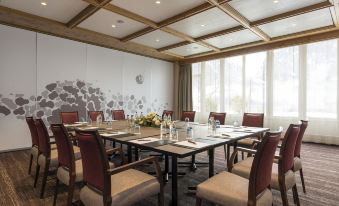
{"x": 190, "y": 144}
{"x": 144, "y": 140}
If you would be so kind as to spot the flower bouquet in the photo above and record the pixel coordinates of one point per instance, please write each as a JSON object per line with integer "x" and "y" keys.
{"x": 150, "y": 120}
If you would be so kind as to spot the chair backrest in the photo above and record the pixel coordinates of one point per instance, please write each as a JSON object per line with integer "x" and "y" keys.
{"x": 303, "y": 127}
{"x": 93, "y": 115}
{"x": 218, "y": 116}
{"x": 44, "y": 141}
{"x": 189, "y": 114}
{"x": 34, "y": 132}
{"x": 261, "y": 170}
{"x": 287, "y": 148}
{"x": 94, "y": 161}
{"x": 167, "y": 112}
{"x": 253, "y": 120}
{"x": 69, "y": 117}
{"x": 118, "y": 114}
{"x": 65, "y": 147}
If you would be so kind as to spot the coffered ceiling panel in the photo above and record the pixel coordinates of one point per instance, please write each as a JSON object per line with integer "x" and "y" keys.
{"x": 112, "y": 24}
{"x": 157, "y": 10}
{"x": 157, "y": 39}
{"x": 206, "y": 22}
{"x": 233, "y": 39}
{"x": 259, "y": 9}
{"x": 189, "y": 49}
{"x": 59, "y": 10}
{"x": 299, "y": 23}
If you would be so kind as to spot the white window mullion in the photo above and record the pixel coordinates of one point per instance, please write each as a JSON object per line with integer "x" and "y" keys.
{"x": 202, "y": 90}
{"x": 269, "y": 84}
{"x": 337, "y": 80}
{"x": 222, "y": 85}
{"x": 302, "y": 81}
{"x": 243, "y": 84}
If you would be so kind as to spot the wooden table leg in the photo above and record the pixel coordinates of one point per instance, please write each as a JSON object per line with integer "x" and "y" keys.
{"x": 174, "y": 181}
{"x": 129, "y": 153}
{"x": 235, "y": 145}
{"x": 136, "y": 154}
{"x": 211, "y": 162}
{"x": 166, "y": 168}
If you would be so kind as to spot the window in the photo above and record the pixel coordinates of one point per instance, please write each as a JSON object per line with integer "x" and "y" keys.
{"x": 212, "y": 86}
{"x": 233, "y": 84}
{"x": 321, "y": 79}
{"x": 255, "y": 75}
{"x": 285, "y": 82}
{"x": 196, "y": 86}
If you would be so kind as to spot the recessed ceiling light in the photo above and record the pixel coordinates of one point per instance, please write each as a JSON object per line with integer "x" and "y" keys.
{"x": 294, "y": 25}
{"x": 195, "y": 47}
{"x": 276, "y": 1}
{"x": 157, "y": 40}
{"x": 230, "y": 39}
{"x": 44, "y": 3}
{"x": 113, "y": 26}
{"x": 157, "y": 2}
{"x": 202, "y": 25}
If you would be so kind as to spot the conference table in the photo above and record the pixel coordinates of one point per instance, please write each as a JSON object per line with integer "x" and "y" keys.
{"x": 151, "y": 139}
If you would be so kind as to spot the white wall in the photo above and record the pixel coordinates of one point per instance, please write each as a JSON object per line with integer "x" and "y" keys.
{"x": 53, "y": 74}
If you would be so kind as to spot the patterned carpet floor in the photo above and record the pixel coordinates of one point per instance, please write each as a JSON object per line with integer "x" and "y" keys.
{"x": 320, "y": 163}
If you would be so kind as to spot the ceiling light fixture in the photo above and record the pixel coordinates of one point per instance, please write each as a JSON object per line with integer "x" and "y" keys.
{"x": 113, "y": 26}
{"x": 276, "y": 1}
{"x": 202, "y": 25}
{"x": 44, "y": 3}
{"x": 157, "y": 2}
{"x": 157, "y": 40}
{"x": 294, "y": 25}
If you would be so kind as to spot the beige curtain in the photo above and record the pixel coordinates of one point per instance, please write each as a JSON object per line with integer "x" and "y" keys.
{"x": 182, "y": 89}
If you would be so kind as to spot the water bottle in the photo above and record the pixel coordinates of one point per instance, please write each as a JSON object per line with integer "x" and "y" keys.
{"x": 99, "y": 120}
{"x": 214, "y": 125}
{"x": 189, "y": 133}
{"x": 210, "y": 120}
{"x": 187, "y": 120}
{"x": 141, "y": 115}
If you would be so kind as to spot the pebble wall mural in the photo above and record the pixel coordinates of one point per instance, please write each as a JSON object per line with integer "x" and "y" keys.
{"x": 75, "y": 95}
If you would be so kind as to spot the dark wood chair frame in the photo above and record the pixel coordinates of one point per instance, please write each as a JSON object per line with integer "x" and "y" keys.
{"x": 32, "y": 127}
{"x": 118, "y": 110}
{"x": 48, "y": 158}
{"x": 107, "y": 199}
{"x": 100, "y": 112}
{"x": 252, "y": 197}
{"x": 182, "y": 118}
{"x": 167, "y": 112}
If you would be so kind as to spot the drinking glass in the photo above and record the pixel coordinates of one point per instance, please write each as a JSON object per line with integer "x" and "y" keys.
{"x": 236, "y": 123}
{"x": 137, "y": 129}
{"x": 175, "y": 135}
{"x": 217, "y": 123}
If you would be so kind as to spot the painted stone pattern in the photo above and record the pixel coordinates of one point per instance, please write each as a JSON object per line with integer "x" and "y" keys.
{"x": 76, "y": 95}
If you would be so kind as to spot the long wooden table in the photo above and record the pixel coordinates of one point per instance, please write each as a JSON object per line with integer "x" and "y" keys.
{"x": 150, "y": 139}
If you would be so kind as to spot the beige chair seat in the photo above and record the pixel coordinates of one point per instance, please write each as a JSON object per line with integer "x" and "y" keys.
{"x": 63, "y": 173}
{"x": 297, "y": 164}
{"x": 53, "y": 146}
{"x": 247, "y": 141}
{"x": 35, "y": 152}
{"x": 243, "y": 169}
{"x": 127, "y": 187}
{"x": 77, "y": 154}
{"x": 54, "y": 159}
{"x": 229, "y": 189}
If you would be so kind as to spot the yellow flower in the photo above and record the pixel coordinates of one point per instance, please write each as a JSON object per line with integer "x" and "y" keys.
{"x": 157, "y": 122}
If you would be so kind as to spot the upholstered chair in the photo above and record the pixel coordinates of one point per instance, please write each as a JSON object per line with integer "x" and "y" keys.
{"x": 35, "y": 142}
{"x": 189, "y": 114}
{"x": 92, "y": 115}
{"x": 69, "y": 170}
{"x": 249, "y": 120}
{"x": 168, "y": 113}
{"x": 47, "y": 157}
{"x": 118, "y": 114}
{"x": 119, "y": 186}
{"x": 218, "y": 116}
{"x": 297, "y": 166}
{"x": 283, "y": 178}
{"x": 230, "y": 189}
{"x": 69, "y": 117}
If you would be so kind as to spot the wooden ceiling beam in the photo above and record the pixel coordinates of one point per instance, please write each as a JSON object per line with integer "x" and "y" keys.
{"x": 172, "y": 46}
{"x": 229, "y": 10}
{"x": 35, "y": 23}
{"x": 335, "y": 12}
{"x": 314, "y": 35}
{"x": 307, "y": 9}
{"x": 86, "y": 12}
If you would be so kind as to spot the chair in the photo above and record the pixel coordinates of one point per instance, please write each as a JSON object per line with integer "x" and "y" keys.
{"x": 283, "y": 177}
{"x": 93, "y": 115}
{"x": 226, "y": 188}
{"x": 297, "y": 166}
{"x": 118, "y": 114}
{"x": 48, "y": 157}
{"x": 69, "y": 117}
{"x": 119, "y": 186}
{"x": 35, "y": 142}
{"x": 249, "y": 120}
{"x": 218, "y": 116}
{"x": 168, "y": 113}
{"x": 69, "y": 170}
{"x": 189, "y": 114}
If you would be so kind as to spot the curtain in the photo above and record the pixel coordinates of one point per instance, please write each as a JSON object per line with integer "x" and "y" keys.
{"x": 182, "y": 89}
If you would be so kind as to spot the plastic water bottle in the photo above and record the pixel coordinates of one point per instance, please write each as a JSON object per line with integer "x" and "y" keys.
{"x": 99, "y": 120}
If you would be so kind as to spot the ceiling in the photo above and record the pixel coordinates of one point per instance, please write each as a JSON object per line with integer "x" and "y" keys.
{"x": 189, "y": 28}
